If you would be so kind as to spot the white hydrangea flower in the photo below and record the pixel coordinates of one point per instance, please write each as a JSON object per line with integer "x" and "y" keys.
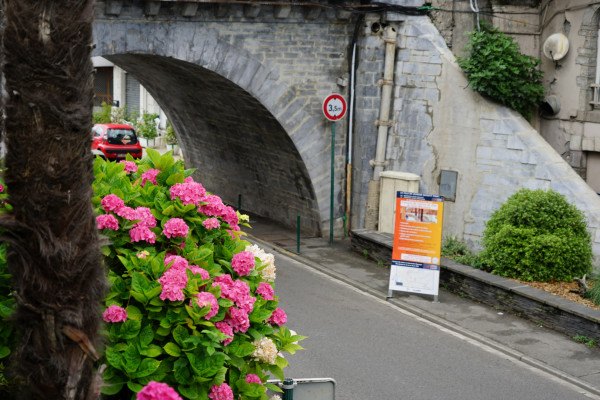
{"x": 243, "y": 217}
{"x": 268, "y": 273}
{"x": 276, "y": 397}
{"x": 266, "y": 351}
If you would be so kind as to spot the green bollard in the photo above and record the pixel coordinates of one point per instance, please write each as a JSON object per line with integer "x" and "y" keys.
{"x": 298, "y": 236}
{"x": 288, "y": 389}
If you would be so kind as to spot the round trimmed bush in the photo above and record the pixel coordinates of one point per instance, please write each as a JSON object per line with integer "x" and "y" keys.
{"x": 537, "y": 235}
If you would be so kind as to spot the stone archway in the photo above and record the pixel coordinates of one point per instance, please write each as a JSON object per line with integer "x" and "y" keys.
{"x": 240, "y": 150}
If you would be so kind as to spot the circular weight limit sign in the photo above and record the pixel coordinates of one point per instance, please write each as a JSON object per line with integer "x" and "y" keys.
{"x": 334, "y": 107}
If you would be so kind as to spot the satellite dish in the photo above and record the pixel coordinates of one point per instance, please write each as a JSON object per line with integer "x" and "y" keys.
{"x": 556, "y": 46}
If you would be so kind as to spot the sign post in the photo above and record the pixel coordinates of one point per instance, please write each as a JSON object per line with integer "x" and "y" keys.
{"x": 417, "y": 244}
{"x": 334, "y": 108}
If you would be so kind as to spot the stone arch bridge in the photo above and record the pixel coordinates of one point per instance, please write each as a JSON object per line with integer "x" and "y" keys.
{"x": 243, "y": 85}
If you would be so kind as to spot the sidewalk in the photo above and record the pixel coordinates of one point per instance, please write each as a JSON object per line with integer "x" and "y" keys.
{"x": 516, "y": 337}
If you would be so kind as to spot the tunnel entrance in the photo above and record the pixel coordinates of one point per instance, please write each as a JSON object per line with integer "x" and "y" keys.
{"x": 241, "y": 152}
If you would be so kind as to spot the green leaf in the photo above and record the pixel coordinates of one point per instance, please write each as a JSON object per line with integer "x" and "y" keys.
{"x": 139, "y": 283}
{"x": 180, "y": 334}
{"x": 147, "y": 367}
{"x": 134, "y": 313}
{"x": 172, "y": 349}
{"x": 241, "y": 349}
{"x": 110, "y": 389}
{"x": 134, "y": 387}
{"x": 292, "y": 348}
{"x": 169, "y": 211}
{"x": 281, "y": 362}
{"x": 181, "y": 371}
{"x": 152, "y": 293}
{"x": 130, "y": 329}
{"x": 277, "y": 372}
{"x": 4, "y": 351}
{"x": 151, "y": 351}
{"x": 114, "y": 357}
{"x": 146, "y": 336}
{"x": 132, "y": 359}
{"x": 273, "y": 388}
{"x": 193, "y": 392}
{"x": 175, "y": 178}
{"x": 139, "y": 297}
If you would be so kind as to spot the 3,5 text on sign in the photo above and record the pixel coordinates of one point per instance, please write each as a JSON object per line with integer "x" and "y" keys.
{"x": 334, "y": 107}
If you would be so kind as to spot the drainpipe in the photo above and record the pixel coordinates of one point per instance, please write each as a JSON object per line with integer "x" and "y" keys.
{"x": 372, "y": 211}
{"x": 357, "y": 26}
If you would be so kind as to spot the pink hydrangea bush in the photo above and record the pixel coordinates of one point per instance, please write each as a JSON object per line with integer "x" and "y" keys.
{"x": 192, "y": 311}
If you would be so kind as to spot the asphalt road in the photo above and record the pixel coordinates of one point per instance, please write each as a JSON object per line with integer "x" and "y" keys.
{"x": 375, "y": 350}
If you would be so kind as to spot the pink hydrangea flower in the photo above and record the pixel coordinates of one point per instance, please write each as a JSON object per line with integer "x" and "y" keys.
{"x": 173, "y": 282}
{"x": 114, "y": 314}
{"x": 145, "y": 216}
{"x": 1, "y": 188}
{"x": 230, "y": 216}
{"x": 150, "y": 176}
{"x": 175, "y": 227}
{"x": 189, "y": 192}
{"x": 226, "y": 330}
{"x": 178, "y": 261}
{"x": 243, "y": 262}
{"x": 238, "y": 320}
{"x": 214, "y": 206}
{"x": 265, "y": 290}
{"x": 197, "y": 270}
{"x": 143, "y": 254}
{"x": 253, "y": 378}
{"x": 126, "y": 212}
{"x": 211, "y": 223}
{"x": 112, "y": 202}
{"x": 107, "y": 221}
{"x": 204, "y": 299}
{"x": 139, "y": 233}
{"x": 278, "y": 317}
{"x": 157, "y": 391}
{"x": 129, "y": 166}
{"x": 221, "y": 392}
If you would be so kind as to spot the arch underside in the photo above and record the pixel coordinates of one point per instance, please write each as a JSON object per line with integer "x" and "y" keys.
{"x": 240, "y": 150}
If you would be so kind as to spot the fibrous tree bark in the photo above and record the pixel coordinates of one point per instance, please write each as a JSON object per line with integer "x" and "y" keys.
{"x": 53, "y": 254}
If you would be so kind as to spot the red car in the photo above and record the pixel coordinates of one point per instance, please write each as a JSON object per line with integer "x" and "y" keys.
{"x": 115, "y": 141}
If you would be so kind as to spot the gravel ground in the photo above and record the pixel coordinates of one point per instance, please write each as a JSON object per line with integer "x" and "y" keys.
{"x": 563, "y": 289}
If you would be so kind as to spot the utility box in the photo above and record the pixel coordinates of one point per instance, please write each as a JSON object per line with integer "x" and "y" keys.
{"x": 390, "y": 183}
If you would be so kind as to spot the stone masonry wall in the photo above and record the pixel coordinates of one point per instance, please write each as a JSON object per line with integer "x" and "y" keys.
{"x": 244, "y": 86}
{"x": 441, "y": 124}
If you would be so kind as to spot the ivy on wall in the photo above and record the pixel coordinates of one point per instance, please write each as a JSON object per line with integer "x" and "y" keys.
{"x": 496, "y": 68}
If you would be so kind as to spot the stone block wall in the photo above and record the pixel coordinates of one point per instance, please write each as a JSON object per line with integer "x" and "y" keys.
{"x": 243, "y": 86}
{"x": 441, "y": 124}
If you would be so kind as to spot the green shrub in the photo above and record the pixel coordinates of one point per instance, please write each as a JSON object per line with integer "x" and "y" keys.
{"x": 594, "y": 294}
{"x": 170, "y": 135}
{"x": 496, "y": 68}
{"x": 146, "y": 126}
{"x": 458, "y": 251}
{"x": 103, "y": 115}
{"x": 537, "y": 235}
{"x": 191, "y": 304}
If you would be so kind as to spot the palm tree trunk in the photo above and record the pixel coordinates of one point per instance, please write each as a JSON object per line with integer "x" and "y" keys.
{"x": 53, "y": 254}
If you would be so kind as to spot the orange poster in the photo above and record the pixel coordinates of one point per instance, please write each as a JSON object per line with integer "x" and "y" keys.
{"x": 417, "y": 243}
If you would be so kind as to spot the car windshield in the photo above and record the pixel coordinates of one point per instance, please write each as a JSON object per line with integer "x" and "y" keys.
{"x": 121, "y": 136}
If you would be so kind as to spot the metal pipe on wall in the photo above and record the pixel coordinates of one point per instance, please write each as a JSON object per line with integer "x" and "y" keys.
{"x": 389, "y": 36}
{"x": 372, "y": 209}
